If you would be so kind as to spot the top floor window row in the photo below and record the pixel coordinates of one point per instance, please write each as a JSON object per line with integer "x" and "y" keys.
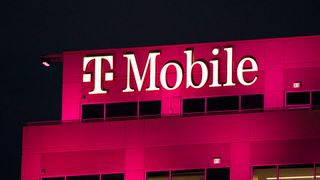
{"x": 196, "y": 106}
{"x": 145, "y": 109}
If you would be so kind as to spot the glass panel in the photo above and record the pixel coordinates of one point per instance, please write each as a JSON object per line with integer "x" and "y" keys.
{"x": 264, "y": 173}
{"x": 316, "y": 98}
{"x": 157, "y": 175}
{"x": 223, "y": 103}
{"x": 112, "y": 177}
{"x": 150, "y": 108}
{"x": 193, "y": 105}
{"x": 92, "y": 111}
{"x": 218, "y": 174}
{"x": 295, "y": 98}
{"x": 296, "y": 172}
{"x": 188, "y": 175}
{"x": 252, "y": 101}
{"x": 126, "y": 109}
{"x": 89, "y": 177}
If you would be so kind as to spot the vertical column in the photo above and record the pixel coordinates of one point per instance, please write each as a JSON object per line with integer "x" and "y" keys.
{"x": 171, "y": 106}
{"x": 134, "y": 164}
{"x": 30, "y": 167}
{"x": 240, "y": 161}
{"x": 71, "y": 91}
{"x": 273, "y": 74}
{"x": 134, "y": 161}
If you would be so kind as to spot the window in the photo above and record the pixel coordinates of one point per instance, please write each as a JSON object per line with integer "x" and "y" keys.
{"x": 296, "y": 172}
{"x": 126, "y": 109}
{"x": 53, "y": 178}
{"x": 88, "y": 177}
{"x": 147, "y": 108}
{"x": 264, "y": 173}
{"x": 92, "y": 111}
{"x": 284, "y": 172}
{"x": 298, "y": 98}
{"x": 112, "y": 177}
{"x": 158, "y": 175}
{"x": 188, "y": 175}
{"x": 193, "y": 105}
{"x": 316, "y": 98}
{"x": 252, "y": 101}
{"x": 223, "y": 103}
{"x": 218, "y": 173}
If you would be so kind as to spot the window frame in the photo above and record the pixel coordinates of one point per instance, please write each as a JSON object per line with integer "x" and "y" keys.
{"x": 122, "y": 117}
{"x": 226, "y": 110}
{"x": 149, "y": 115}
{"x": 298, "y": 106}
{"x": 314, "y": 166}
{"x": 311, "y": 98}
{"x": 93, "y": 119}
{"x": 194, "y": 113}
{"x": 251, "y": 109}
{"x": 171, "y": 171}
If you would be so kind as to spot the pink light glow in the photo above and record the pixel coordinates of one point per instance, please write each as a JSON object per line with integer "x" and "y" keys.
{"x": 46, "y": 64}
{"x": 297, "y": 84}
{"x": 216, "y": 160}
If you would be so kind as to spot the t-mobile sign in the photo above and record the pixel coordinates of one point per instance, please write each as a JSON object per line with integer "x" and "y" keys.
{"x": 183, "y": 70}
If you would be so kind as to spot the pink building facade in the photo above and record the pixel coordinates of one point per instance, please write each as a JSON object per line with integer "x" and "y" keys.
{"x": 236, "y": 110}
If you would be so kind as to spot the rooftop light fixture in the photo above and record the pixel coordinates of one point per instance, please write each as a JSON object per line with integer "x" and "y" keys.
{"x": 297, "y": 84}
{"x": 217, "y": 160}
{"x": 47, "y": 60}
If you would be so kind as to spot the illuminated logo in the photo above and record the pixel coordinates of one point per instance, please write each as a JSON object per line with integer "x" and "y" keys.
{"x": 207, "y": 69}
{"x": 98, "y": 72}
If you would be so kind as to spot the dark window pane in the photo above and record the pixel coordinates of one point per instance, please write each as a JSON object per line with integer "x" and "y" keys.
{"x": 189, "y": 174}
{"x": 298, "y": 98}
{"x": 316, "y": 98}
{"x": 113, "y": 177}
{"x": 158, "y": 175}
{"x": 252, "y": 101}
{"x": 89, "y": 177}
{"x": 92, "y": 111}
{"x": 150, "y": 108}
{"x": 53, "y": 178}
{"x": 121, "y": 109}
{"x": 223, "y": 103}
{"x": 218, "y": 174}
{"x": 193, "y": 105}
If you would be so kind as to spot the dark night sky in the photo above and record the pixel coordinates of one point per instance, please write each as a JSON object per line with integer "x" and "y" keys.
{"x": 29, "y": 29}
